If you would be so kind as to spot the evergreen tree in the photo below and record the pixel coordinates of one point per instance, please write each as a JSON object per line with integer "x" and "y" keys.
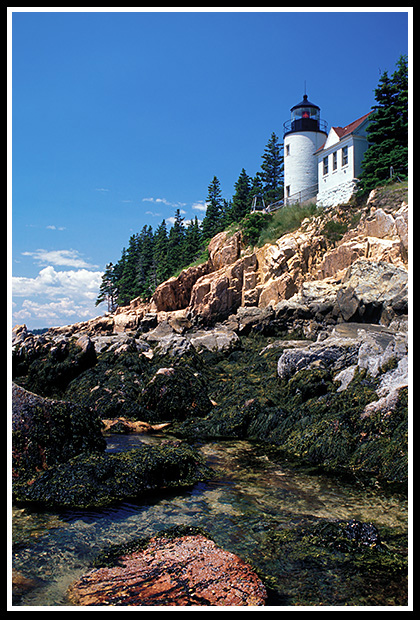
{"x": 160, "y": 254}
{"x": 241, "y": 200}
{"x": 144, "y": 285}
{"x": 257, "y": 186}
{"x": 108, "y": 290}
{"x": 387, "y": 132}
{"x": 226, "y": 214}
{"x": 127, "y": 284}
{"x": 212, "y": 220}
{"x": 272, "y": 171}
{"x": 176, "y": 243}
{"x": 192, "y": 243}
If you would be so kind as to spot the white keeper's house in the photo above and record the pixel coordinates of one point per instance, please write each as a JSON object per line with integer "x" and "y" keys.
{"x": 320, "y": 165}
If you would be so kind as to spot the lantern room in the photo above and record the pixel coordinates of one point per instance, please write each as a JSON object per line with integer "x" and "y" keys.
{"x": 305, "y": 116}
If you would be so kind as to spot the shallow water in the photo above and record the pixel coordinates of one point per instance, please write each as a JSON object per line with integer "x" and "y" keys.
{"x": 249, "y": 493}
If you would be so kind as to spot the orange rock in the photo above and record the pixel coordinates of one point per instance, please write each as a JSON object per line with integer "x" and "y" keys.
{"x": 184, "y": 571}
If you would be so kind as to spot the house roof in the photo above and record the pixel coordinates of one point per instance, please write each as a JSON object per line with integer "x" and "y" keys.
{"x": 342, "y": 132}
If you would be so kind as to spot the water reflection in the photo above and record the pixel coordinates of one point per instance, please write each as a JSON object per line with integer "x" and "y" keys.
{"x": 249, "y": 493}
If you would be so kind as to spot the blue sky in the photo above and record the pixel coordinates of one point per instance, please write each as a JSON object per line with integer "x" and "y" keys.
{"x": 116, "y": 119}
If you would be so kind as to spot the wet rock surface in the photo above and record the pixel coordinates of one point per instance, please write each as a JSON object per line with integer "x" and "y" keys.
{"x": 46, "y": 432}
{"x": 98, "y": 480}
{"x": 182, "y": 571}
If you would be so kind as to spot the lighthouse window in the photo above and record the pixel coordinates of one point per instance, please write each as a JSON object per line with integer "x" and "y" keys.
{"x": 344, "y": 156}
{"x": 287, "y": 149}
{"x": 325, "y": 162}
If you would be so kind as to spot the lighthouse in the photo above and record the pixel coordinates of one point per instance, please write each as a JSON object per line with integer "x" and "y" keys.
{"x": 303, "y": 134}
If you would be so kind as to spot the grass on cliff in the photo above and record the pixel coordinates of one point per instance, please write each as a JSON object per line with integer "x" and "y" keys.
{"x": 259, "y": 229}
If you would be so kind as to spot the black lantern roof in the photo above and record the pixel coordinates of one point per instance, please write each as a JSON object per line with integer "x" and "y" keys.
{"x": 305, "y": 104}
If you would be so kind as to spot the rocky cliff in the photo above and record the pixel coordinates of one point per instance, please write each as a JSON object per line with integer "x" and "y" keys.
{"x": 328, "y": 380}
{"x": 308, "y": 267}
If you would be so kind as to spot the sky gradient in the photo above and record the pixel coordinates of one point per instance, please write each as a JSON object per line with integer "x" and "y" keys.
{"x": 118, "y": 118}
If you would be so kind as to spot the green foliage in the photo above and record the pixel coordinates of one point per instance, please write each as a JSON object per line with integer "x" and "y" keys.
{"x": 286, "y": 219}
{"x": 334, "y": 230}
{"x": 213, "y": 220}
{"x": 258, "y": 228}
{"x": 242, "y": 198}
{"x": 272, "y": 170}
{"x": 252, "y": 225}
{"x": 388, "y": 130}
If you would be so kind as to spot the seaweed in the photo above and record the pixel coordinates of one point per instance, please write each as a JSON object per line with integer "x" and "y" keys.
{"x": 97, "y": 481}
{"x": 336, "y": 563}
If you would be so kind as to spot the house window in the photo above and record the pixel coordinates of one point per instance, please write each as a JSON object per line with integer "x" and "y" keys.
{"x": 334, "y": 155}
{"x": 325, "y": 162}
{"x": 287, "y": 149}
{"x": 344, "y": 156}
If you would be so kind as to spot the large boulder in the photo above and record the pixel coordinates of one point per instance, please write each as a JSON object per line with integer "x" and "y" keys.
{"x": 96, "y": 480}
{"x": 367, "y": 292}
{"x": 354, "y": 348}
{"x": 46, "y": 432}
{"x": 174, "y": 393}
{"x": 219, "y": 339}
{"x": 373, "y": 292}
{"x": 175, "y": 293}
{"x": 50, "y": 363}
{"x": 381, "y": 235}
{"x": 186, "y": 570}
{"x": 224, "y": 249}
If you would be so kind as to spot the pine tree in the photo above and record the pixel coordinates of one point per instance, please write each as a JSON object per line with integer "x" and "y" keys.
{"x": 387, "y": 132}
{"x": 176, "y": 243}
{"x": 212, "y": 220}
{"x": 108, "y": 290}
{"x": 241, "y": 200}
{"x": 272, "y": 170}
{"x": 192, "y": 242}
{"x": 127, "y": 284}
{"x": 144, "y": 285}
{"x": 160, "y": 254}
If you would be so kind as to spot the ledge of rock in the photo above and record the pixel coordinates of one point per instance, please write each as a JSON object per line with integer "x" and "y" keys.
{"x": 187, "y": 570}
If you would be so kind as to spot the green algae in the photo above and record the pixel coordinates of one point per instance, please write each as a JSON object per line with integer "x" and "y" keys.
{"x": 240, "y": 396}
{"x": 317, "y": 563}
{"x": 90, "y": 481}
{"x": 49, "y": 371}
{"x": 305, "y": 416}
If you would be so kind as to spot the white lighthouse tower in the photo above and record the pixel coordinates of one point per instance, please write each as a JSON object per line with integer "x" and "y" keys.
{"x": 303, "y": 134}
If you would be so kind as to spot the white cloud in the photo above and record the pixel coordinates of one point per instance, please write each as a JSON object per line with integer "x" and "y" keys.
{"x": 53, "y": 311}
{"x": 165, "y": 202}
{"x": 200, "y": 206}
{"x": 51, "y": 283}
{"x": 56, "y": 297}
{"x": 53, "y": 227}
{"x": 61, "y": 258}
